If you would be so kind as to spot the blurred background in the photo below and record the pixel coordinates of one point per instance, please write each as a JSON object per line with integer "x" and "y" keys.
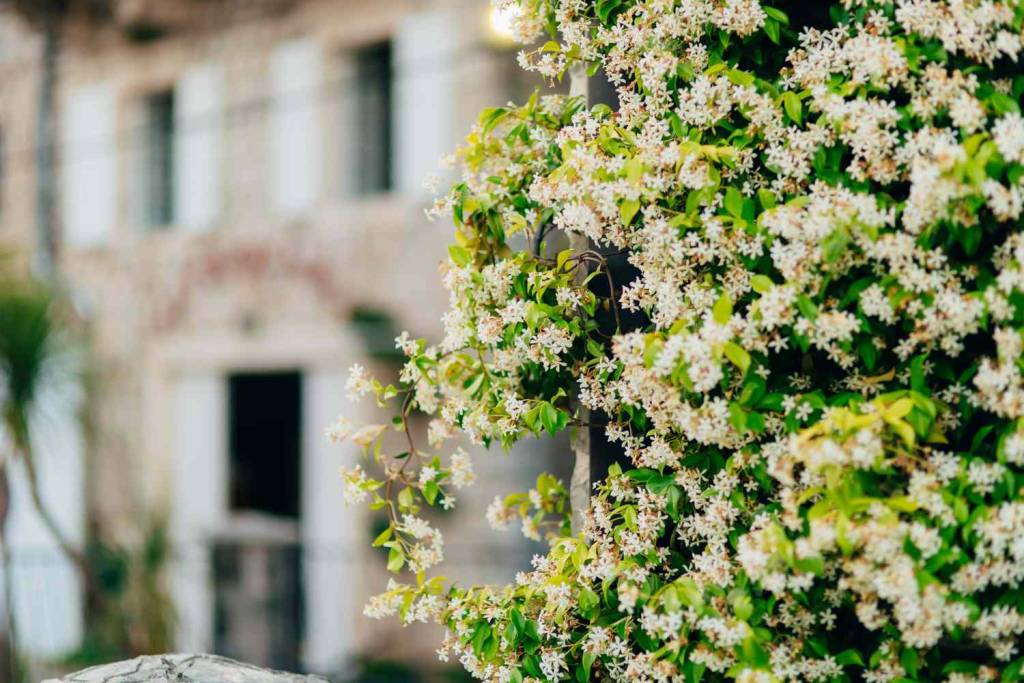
{"x": 209, "y": 209}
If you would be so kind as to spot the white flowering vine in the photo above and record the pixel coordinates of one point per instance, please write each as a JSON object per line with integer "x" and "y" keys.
{"x": 821, "y": 421}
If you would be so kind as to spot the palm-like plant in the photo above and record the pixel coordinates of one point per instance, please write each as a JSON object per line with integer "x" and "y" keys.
{"x": 34, "y": 363}
{"x": 34, "y": 360}
{"x": 130, "y": 611}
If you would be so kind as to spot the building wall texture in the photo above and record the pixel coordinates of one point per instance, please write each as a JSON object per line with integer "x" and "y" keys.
{"x": 269, "y": 254}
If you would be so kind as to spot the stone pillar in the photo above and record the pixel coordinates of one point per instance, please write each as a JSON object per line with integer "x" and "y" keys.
{"x": 579, "y": 489}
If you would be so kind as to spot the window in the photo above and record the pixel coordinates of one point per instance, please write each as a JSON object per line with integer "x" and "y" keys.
{"x": 265, "y": 442}
{"x": 158, "y": 170}
{"x": 372, "y": 134}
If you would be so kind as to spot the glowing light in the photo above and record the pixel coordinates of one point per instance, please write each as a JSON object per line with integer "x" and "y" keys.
{"x": 500, "y": 22}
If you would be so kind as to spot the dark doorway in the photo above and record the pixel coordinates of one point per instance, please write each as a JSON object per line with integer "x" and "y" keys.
{"x": 257, "y": 561}
{"x": 265, "y": 428}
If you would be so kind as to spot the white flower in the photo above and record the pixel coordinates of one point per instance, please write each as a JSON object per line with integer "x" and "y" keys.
{"x": 339, "y": 431}
{"x": 358, "y": 383}
{"x": 462, "y": 469}
{"x": 427, "y": 474}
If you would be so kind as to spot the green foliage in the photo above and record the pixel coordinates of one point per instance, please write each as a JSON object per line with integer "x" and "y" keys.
{"x": 823, "y": 414}
{"x": 29, "y": 346}
{"x": 133, "y": 612}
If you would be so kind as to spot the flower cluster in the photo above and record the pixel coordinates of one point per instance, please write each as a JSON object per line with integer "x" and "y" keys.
{"x": 820, "y": 412}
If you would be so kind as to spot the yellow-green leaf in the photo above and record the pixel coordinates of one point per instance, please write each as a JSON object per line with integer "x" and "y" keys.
{"x": 396, "y": 558}
{"x": 628, "y": 210}
{"x": 723, "y": 309}
{"x": 761, "y": 283}
{"x": 562, "y": 257}
{"x": 460, "y": 256}
{"x": 737, "y": 355}
{"x": 793, "y": 105}
{"x": 382, "y": 538}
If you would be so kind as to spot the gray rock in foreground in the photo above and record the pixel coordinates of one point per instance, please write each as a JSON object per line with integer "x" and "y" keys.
{"x": 182, "y": 669}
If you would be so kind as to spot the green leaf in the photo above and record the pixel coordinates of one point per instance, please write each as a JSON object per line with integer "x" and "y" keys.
{"x": 518, "y": 620}
{"x": 777, "y": 14}
{"x": 738, "y": 417}
{"x": 694, "y": 671}
{"x": 767, "y": 199}
{"x": 1003, "y": 103}
{"x": 588, "y": 599}
{"x": 511, "y": 633}
{"x": 382, "y": 538}
{"x": 1012, "y": 673}
{"x": 588, "y": 662}
{"x": 909, "y": 660}
{"x": 740, "y": 78}
{"x": 970, "y": 238}
{"x": 722, "y": 310}
{"x": 460, "y": 256}
{"x": 470, "y": 205}
{"x": 793, "y": 106}
{"x": 737, "y": 355}
{"x": 868, "y": 352}
{"x": 396, "y": 558}
{"x": 562, "y": 258}
{"x": 761, "y": 283}
{"x": 905, "y": 432}
{"x": 734, "y": 202}
{"x": 753, "y": 389}
{"x": 849, "y": 658}
{"x": 902, "y": 503}
{"x": 553, "y": 419}
{"x": 532, "y": 666}
{"x": 480, "y": 635}
{"x": 628, "y": 210}
{"x": 917, "y": 377}
{"x": 742, "y": 607}
{"x": 921, "y": 422}
{"x": 491, "y": 116}
{"x": 430, "y": 491}
{"x": 605, "y": 10}
{"x": 807, "y": 307}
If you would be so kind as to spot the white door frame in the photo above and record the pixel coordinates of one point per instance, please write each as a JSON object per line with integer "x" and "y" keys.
{"x": 193, "y": 372}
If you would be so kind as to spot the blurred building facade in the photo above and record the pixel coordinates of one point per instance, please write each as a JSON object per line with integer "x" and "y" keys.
{"x": 241, "y": 218}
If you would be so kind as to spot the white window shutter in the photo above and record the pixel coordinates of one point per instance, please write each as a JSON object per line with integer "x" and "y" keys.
{"x": 425, "y": 56}
{"x": 331, "y": 604}
{"x": 199, "y": 500}
{"x": 295, "y": 146}
{"x": 89, "y": 165}
{"x": 199, "y": 133}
